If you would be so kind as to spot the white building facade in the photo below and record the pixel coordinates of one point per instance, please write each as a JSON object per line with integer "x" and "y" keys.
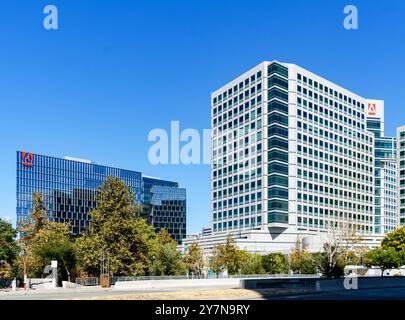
{"x": 385, "y": 171}
{"x": 401, "y": 174}
{"x": 291, "y": 158}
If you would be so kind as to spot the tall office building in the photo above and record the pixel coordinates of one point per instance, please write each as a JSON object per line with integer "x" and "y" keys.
{"x": 385, "y": 170}
{"x": 292, "y": 158}
{"x": 401, "y": 174}
{"x": 69, "y": 187}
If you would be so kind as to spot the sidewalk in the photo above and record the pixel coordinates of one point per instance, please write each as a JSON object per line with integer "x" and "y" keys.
{"x": 22, "y": 291}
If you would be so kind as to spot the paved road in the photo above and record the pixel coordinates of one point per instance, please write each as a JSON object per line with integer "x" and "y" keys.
{"x": 57, "y": 294}
{"x": 362, "y": 294}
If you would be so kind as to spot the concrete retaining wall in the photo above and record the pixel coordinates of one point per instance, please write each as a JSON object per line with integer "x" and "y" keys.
{"x": 326, "y": 285}
{"x": 279, "y": 283}
{"x": 71, "y": 285}
{"x": 39, "y": 283}
{"x": 156, "y": 284}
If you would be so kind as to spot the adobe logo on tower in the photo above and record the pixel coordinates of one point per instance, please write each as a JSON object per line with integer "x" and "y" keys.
{"x": 27, "y": 159}
{"x": 372, "y": 109}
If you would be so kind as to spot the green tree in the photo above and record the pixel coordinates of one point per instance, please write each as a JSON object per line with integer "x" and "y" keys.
{"x": 194, "y": 260}
{"x": 395, "y": 239}
{"x": 226, "y": 257}
{"x": 9, "y": 248}
{"x": 275, "y": 263}
{"x": 116, "y": 229}
{"x": 297, "y": 255}
{"x": 301, "y": 261}
{"x": 385, "y": 258}
{"x": 167, "y": 259}
{"x": 28, "y": 229}
{"x": 48, "y": 244}
{"x": 250, "y": 263}
{"x": 43, "y": 240}
{"x": 53, "y": 242}
{"x": 8, "y": 245}
{"x": 309, "y": 265}
{"x": 37, "y": 219}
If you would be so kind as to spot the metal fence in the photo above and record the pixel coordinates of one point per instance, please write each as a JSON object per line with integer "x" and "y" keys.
{"x": 94, "y": 281}
{"x": 91, "y": 281}
{"x": 113, "y": 280}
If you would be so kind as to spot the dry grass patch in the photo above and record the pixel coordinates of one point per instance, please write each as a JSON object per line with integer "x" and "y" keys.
{"x": 220, "y": 294}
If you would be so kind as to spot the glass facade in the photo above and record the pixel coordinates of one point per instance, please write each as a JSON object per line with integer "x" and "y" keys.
{"x": 277, "y": 143}
{"x": 69, "y": 188}
{"x": 164, "y": 206}
{"x": 385, "y": 185}
{"x": 385, "y": 180}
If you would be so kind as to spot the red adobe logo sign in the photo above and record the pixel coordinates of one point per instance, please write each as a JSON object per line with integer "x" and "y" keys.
{"x": 372, "y": 109}
{"x": 27, "y": 159}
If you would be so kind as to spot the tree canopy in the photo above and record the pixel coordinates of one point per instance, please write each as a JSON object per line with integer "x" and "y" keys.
{"x": 8, "y": 246}
{"x": 166, "y": 259}
{"x": 235, "y": 261}
{"x": 194, "y": 260}
{"x": 43, "y": 240}
{"x": 301, "y": 261}
{"x": 395, "y": 239}
{"x": 116, "y": 230}
{"x": 275, "y": 263}
{"x": 54, "y": 242}
{"x": 385, "y": 258}
{"x": 37, "y": 218}
{"x": 226, "y": 257}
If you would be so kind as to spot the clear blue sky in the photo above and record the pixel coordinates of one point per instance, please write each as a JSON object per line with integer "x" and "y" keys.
{"x": 117, "y": 69}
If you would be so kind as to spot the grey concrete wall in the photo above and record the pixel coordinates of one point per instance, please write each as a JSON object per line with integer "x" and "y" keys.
{"x": 362, "y": 283}
{"x": 324, "y": 285}
{"x": 290, "y": 283}
{"x": 41, "y": 283}
{"x": 67, "y": 284}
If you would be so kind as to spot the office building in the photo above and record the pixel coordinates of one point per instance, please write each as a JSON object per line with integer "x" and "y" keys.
{"x": 385, "y": 170}
{"x": 292, "y": 157}
{"x": 164, "y": 206}
{"x": 69, "y": 187}
{"x": 401, "y": 174}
